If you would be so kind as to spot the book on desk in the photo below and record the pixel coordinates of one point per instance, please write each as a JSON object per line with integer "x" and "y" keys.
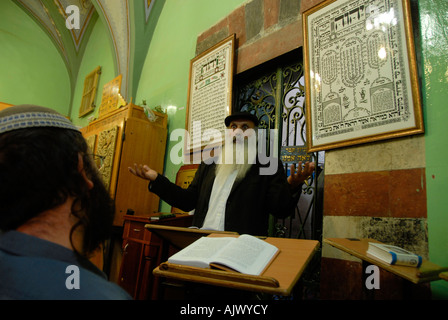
{"x": 279, "y": 277}
{"x": 428, "y": 271}
{"x": 394, "y": 255}
{"x": 245, "y": 254}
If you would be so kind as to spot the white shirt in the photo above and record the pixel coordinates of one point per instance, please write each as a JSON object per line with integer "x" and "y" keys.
{"x": 214, "y": 220}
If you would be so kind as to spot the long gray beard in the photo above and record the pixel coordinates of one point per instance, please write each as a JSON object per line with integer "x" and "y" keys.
{"x": 224, "y": 169}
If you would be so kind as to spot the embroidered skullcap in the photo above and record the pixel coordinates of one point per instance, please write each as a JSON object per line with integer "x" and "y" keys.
{"x": 31, "y": 116}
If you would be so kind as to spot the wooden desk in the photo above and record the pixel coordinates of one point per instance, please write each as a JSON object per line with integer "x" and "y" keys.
{"x": 142, "y": 252}
{"x": 428, "y": 271}
{"x": 279, "y": 278}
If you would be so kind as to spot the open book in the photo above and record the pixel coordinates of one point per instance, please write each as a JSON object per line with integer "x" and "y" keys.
{"x": 394, "y": 255}
{"x": 246, "y": 254}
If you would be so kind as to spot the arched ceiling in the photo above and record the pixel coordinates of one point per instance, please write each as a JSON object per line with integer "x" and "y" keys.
{"x": 50, "y": 15}
{"x": 116, "y": 15}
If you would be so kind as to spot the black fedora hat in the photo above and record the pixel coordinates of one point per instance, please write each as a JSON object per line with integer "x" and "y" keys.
{"x": 241, "y": 115}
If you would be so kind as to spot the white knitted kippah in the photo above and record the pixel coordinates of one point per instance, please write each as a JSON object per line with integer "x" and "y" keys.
{"x": 31, "y": 116}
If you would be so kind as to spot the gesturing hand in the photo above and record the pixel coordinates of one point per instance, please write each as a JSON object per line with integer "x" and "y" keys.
{"x": 143, "y": 171}
{"x": 298, "y": 177}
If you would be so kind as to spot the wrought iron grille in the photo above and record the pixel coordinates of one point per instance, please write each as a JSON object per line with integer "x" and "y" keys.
{"x": 275, "y": 93}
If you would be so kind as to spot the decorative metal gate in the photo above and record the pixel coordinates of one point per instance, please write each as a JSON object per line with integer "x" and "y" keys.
{"x": 275, "y": 93}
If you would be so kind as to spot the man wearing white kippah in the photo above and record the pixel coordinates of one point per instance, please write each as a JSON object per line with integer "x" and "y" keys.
{"x": 54, "y": 209}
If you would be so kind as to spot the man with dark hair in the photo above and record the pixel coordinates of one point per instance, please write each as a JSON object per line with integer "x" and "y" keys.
{"x": 234, "y": 195}
{"x": 54, "y": 209}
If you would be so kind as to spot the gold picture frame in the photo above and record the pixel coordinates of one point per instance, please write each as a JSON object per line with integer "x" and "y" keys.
{"x": 89, "y": 92}
{"x": 361, "y": 76}
{"x": 111, "y": 97}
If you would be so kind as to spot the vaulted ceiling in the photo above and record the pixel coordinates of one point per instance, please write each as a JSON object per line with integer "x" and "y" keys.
{"x": 116, "y": 15}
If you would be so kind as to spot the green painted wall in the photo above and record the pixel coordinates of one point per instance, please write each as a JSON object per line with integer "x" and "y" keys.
{"x": 434, "y": 38}
{"x": 164, "y": 77}
{"x": 98, "y": 52}
{"x": 141, "y": 36}
{"x": 32, "y": 70}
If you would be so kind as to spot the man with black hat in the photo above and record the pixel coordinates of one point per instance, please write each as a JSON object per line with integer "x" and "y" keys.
{"x": 54, "y": 209}
{"x": 233, "y": 196}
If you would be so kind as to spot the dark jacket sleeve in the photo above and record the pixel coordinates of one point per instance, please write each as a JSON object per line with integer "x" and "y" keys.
{"x": 282, "y": 199}
{"x": 174, "y": 195}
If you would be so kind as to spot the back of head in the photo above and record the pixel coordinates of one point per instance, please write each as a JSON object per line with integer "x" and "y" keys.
{"x": 39, "y": 169}
{"x": 37, "y": 172}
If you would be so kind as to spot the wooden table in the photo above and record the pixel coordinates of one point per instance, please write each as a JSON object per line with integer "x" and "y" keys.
{"x": 279, "y": 278}
{"x": 428, "y": 271}
{"x": 142, "y": 252}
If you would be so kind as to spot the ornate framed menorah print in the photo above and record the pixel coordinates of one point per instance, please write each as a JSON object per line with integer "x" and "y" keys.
{"x": 360, "y": 73}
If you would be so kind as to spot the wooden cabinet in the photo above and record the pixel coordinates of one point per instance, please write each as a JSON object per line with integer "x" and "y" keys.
{"x": 142, "y": 252}
{"x": 124, "y": 137}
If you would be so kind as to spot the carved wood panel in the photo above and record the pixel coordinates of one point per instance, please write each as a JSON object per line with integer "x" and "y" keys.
{"x": 106, "y": 148}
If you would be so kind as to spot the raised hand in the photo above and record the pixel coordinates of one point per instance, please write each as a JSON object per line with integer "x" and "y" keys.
{"x": 296, "y": 178}
{"x": 143, "y": 171}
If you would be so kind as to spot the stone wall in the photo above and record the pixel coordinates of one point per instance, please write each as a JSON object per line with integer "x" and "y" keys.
{"x": 264, "y": 29}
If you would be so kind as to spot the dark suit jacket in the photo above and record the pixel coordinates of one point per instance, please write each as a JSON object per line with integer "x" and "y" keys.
{"x": 250, "y": 202}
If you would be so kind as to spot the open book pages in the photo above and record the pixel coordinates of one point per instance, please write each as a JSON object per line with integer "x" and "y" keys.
{"x": 246, "y": 254}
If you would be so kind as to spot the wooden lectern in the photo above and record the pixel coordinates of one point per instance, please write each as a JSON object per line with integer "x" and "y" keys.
{"x": 427, "y": 272}
{"x": 279, "y": 278}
